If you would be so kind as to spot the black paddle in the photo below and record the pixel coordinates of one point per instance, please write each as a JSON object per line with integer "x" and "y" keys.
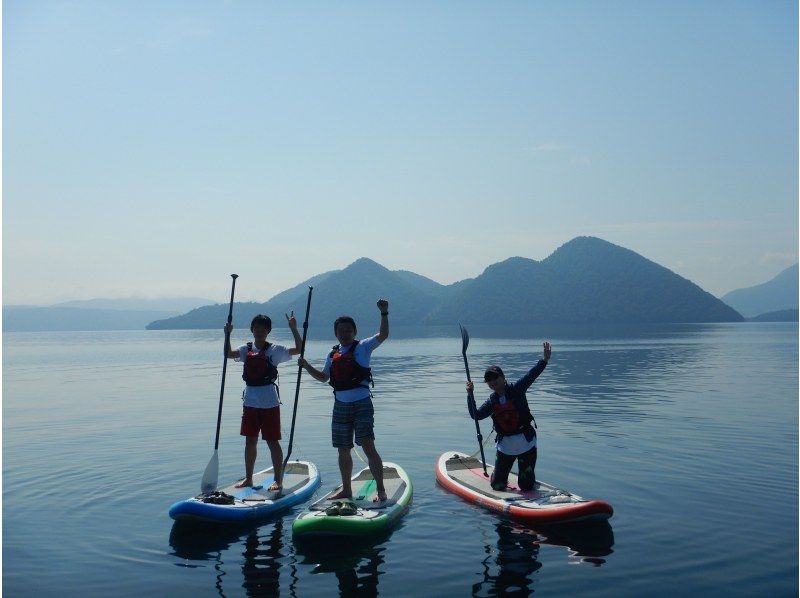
{"x": 297, "y": 387}
{"x": 211, "y": 474}
{"x": 470, "y": 395}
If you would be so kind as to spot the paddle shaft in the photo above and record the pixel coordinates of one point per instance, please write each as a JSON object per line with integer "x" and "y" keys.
{"x": 471, "y": 398}
{"x": 299, "y": 374}
{"x": 224, "y": 363}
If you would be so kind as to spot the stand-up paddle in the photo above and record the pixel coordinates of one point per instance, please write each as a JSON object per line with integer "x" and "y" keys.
{"x": 299, "y": 373}
{"x": 211, "y": 474}
{"x": 470, "y": 395}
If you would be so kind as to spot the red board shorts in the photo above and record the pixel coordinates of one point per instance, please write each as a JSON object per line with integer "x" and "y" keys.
{"x": 267, "y": 421}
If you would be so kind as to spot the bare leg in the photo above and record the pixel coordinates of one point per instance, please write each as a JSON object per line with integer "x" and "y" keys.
{"x": 250, "y": 453}
{"x": 346, "y": 469}
{"x": 375, "y": 466}
{"x": 276, "y": 453}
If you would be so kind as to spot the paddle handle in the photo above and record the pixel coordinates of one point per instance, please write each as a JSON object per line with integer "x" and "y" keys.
{"x": 225, "y": 363}
{"x": 299, "y": 375}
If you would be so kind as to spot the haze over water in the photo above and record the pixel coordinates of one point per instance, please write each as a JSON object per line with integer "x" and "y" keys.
{"x": 689, "y": 431}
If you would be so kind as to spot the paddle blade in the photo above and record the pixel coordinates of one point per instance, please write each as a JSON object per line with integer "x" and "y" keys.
{"x": 464, "y": 338}
{"x": 210, "y": 475}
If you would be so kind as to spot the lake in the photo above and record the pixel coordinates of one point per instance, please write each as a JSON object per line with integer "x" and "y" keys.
{"x": 689, "y": 431}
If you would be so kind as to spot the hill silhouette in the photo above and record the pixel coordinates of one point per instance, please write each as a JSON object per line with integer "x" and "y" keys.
{"x": 587, "y": 280}
{"x": 777, "y": 294}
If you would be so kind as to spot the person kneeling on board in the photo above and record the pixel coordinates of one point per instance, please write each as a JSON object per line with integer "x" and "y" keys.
{"x": 261, "y": 411}
{"x": 509, "y": 410}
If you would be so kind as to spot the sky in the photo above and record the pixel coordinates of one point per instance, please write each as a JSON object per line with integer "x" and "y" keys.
{"x": 151, "y": 148}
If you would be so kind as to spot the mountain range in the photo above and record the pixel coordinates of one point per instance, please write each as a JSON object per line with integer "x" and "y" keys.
{"x": 587, "y": 280}
{"x": 777, "y": 294}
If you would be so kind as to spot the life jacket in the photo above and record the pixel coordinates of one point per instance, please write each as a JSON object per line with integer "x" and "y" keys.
{"x": 346, "y": 373}
{"x": 258, "y": 367}
{"x": 508, "y": 420}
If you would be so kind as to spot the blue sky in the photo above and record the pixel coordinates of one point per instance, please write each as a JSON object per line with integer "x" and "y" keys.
{"x": 150, "y": 148}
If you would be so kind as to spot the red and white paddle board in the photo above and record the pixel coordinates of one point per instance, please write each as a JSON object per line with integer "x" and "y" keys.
{"x": 545, "y": 504}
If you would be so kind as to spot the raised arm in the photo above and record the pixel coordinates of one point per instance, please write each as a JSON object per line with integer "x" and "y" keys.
{"x": 534, "y": 372}
{"x": 383, "y": 333}
{"x": 293, "y": 327}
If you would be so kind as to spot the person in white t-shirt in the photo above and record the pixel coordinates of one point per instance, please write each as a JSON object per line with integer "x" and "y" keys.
{"x": 261, "y": 411}
{"x": 347, "y": 370}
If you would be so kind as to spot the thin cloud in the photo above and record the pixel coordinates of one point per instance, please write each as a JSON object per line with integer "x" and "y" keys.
{"x": 779, "y": 258}
{"x": 547, "y": 147}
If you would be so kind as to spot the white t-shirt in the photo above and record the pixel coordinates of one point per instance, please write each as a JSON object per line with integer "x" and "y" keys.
{"x": 264, "y": 397}
{"x": 362, "y": 355}
{"x": 515, "y": 444}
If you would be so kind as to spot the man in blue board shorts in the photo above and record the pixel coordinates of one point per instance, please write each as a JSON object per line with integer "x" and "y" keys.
{"x": 509, "y": 410}
{"x": 347, "y": 370}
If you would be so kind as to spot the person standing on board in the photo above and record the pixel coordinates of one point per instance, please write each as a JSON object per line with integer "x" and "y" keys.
{"x": 347, "y": 371}
{"x": 261, "y": 411}
{"x": 509, "y": 410}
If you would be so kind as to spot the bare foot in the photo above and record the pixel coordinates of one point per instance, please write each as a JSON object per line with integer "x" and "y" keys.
{"x": 340, "y": 495}
{"x": 274, "y": 487}
{"x": 246, "y": 483}
{"x": 381, "y": 496}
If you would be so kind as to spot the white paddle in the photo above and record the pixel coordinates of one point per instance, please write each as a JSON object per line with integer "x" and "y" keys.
{"x": 211, "y": 474}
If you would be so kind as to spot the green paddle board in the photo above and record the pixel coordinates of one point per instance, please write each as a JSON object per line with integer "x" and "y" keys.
{"x": 362, "y": 515}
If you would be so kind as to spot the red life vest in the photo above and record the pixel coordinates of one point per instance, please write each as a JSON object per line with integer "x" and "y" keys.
{"x": 258, "y": 367}
{"x": 346, "y": 373}
{"x": 506, "y": 418}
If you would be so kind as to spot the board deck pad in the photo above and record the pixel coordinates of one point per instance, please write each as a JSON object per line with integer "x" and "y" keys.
{"x": 365, "y": 490}
{"x": 294, "y": 477}
{"x": 468, "y": 471}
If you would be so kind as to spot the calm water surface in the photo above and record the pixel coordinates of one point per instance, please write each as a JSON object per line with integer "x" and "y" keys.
{"x": 689, "y": 431}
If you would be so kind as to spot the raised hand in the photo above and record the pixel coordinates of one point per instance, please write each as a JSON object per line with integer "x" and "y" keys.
{"x": 547, "y": 350}
{"x": 291, "y": 319}
{"x": 383, "y": 305}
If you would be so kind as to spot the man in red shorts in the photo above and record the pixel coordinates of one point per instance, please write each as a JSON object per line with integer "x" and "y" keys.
{"x": 261, "y": 411}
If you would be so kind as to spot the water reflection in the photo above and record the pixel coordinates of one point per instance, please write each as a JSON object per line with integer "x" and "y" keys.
{"x": 264, "y": 551}
{"x": 356, "y": 564}
{"x": 510, "y": 563}
{"x": 261, "y": 565}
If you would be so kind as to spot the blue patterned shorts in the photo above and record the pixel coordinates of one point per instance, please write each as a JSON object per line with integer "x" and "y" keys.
{"x": 357, "y": 417}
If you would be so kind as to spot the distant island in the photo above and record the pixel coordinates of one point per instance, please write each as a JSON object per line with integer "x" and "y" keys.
{"x": 585, "y": 281}
{"x": 95, "y": 314}
{"x": 783, "y": 315}
{"x": 777, "y": 294}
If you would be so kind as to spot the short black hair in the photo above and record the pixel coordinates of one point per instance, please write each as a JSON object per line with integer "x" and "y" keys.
{"x": 261, "y": 319}
{"x": 493, "y": 371}
{"x": 343, "y": 320}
